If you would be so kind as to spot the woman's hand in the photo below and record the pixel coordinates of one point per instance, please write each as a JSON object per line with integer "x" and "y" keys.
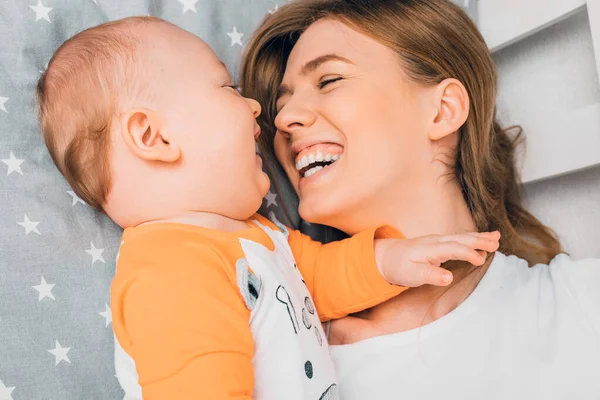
{"x": 416, "y": 262}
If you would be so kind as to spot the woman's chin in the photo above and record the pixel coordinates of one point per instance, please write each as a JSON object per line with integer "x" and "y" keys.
{"x": 318, "y": 211}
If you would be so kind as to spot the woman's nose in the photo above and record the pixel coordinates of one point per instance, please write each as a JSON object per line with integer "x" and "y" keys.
{"x": 254, "y": 106}
{"x": 292, "y": 117}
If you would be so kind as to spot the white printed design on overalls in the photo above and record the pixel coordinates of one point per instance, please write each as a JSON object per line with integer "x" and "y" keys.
{"x": 291, "y": 358}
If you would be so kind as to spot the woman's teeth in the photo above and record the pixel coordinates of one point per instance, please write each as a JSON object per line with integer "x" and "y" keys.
{"x": 312, "y": 171}
{"x": 306, "y": 165}
{"x": 313, "y": 158}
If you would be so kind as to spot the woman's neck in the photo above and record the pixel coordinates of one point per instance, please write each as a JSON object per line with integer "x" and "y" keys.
{"x": 432, "y": 205}
{"x": 426, "y": 210}
{"x": 438, "y": 208}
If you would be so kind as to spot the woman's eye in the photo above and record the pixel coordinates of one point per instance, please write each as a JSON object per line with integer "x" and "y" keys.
{"x": 279, "y": 107}
{"x": 326, "y": 82}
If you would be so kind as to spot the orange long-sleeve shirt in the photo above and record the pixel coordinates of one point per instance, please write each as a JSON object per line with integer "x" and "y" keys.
{"x": 204, "y": 314}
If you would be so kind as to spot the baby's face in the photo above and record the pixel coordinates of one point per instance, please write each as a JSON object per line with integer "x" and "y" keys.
{"x": 214, "y": 126}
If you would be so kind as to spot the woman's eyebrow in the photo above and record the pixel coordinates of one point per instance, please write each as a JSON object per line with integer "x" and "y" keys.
{"x": 310, "y": 67}
{"x": 315, "y": 63}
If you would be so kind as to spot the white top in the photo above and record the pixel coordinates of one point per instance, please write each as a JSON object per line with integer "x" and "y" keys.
{"x": 524, "y": 333}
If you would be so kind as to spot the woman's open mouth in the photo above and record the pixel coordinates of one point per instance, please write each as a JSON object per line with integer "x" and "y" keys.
{"x": 316, "y": 158}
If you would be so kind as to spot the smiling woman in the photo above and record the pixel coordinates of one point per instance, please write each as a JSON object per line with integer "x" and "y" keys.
{"x": 402, "y": 93}
{"x": 368, "y": 94}
{"x": 312, "y": 156}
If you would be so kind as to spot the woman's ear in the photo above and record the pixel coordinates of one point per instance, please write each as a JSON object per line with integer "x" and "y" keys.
{"x": 452, "y": 104}
{"x": 142, "y": 133}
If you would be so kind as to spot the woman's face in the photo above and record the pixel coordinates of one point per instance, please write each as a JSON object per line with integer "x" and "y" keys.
{"x": 345, "y": 98}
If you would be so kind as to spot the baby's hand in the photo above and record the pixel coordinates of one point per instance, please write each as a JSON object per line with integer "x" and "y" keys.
{"x": 416, "y": 262}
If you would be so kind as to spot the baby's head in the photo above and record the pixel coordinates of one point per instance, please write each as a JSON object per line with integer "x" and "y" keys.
{"x": 142, "y": 119}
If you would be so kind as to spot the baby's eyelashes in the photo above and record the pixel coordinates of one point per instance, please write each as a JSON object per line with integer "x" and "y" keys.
{"x": 234, "y": 87}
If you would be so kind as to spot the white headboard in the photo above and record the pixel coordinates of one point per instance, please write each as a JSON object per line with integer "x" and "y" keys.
{"x": 548, "y": 57}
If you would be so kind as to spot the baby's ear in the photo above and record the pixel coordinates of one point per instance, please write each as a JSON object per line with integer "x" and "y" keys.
{"x": 142, "y": 133}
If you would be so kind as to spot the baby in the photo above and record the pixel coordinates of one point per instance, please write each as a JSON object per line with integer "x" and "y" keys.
{"x": 210, "y": 300}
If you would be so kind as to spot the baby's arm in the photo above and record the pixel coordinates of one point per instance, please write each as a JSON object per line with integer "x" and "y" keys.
{"x": 187, "y": 328}
{"x": 348, "y": 276}
{"x": 343, "y": 277}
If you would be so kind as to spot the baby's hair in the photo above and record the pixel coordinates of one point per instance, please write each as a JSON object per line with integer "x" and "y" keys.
{"x": 89, "y": 79}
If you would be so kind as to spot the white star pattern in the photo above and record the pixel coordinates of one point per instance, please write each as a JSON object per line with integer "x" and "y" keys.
{"x": 189, "y": 5}
{"x": 41, "y": 193}
{"x": 95, "y": 253}
{"x": 5, "y": 392}
{"x": 76, "y": 198}
{"x": 107, "y": 315}
{"x": 14, "y": 165}
{"x": 45, "y": 290}
{"x": 3, "y": 101}
{"x": 60, "y": 353}
{"x": 270, "y": 197}
{"x": 41, "y": 12}
{"x": 235, "y": 36}
{"x": 30, "y": 226}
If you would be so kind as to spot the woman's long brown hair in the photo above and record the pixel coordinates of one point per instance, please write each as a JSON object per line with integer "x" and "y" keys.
{"x": 434, "y": 40}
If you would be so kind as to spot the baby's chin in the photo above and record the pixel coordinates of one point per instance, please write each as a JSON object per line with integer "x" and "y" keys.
{"x": 264, "y": 184}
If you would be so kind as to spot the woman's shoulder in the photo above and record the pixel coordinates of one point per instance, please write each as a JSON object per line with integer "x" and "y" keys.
{"x": 562, "y": 270}
{"x": 565, "y": 283}
{"x": 562, "y": 262}
{"x": 580, "y": 276}
{"x": 566, "y": 261}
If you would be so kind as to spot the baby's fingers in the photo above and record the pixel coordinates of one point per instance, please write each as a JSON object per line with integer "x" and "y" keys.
{"x": 477, "y": 241}
{"x": 434, "y": 275}
{"x": 445, "y": 251}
